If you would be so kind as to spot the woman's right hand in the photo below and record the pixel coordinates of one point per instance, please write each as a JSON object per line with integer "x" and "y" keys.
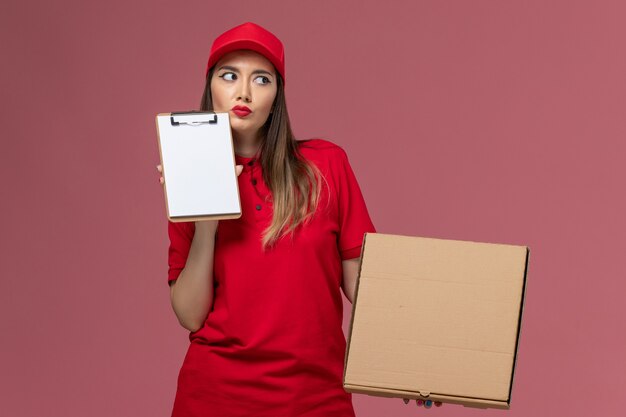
{"x": 204, "y": 227}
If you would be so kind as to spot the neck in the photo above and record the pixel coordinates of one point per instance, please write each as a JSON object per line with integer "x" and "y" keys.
{"x": 247, "y": 145}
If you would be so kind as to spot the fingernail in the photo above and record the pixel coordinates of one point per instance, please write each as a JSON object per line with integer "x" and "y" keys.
{"x": 420, "y": 403}
{"x": 438, "y": 404}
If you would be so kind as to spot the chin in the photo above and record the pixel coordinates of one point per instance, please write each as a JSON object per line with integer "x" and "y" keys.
{"x": 237, "y": 128}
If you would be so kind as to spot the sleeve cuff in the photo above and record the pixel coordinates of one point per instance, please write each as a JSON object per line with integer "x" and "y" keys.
{"x": 351, "y": 253}
{"x": 173, "y": 275}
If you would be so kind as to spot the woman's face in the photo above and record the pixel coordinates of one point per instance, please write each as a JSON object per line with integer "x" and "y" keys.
{"x": 246, "y": 79}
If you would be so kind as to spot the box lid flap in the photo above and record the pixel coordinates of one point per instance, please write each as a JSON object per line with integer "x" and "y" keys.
{"x": 437, "y": 316}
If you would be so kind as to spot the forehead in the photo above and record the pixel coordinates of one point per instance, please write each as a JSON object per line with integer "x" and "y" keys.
{"x": 245, "y": 58}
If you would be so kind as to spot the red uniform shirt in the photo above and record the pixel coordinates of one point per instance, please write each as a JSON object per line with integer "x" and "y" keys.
{"x": 272, "y": 345}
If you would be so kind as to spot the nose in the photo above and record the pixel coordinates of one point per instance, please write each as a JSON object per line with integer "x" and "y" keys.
{"x": 244, "y": 92}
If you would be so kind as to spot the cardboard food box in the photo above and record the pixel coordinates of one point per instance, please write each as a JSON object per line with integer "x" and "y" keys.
{"x": 436, "y": 319}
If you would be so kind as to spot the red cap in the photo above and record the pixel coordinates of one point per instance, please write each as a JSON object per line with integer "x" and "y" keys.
{"x": 249, "y": 36}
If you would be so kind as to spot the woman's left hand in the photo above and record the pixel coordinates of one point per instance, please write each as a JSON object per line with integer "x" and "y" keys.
{"x": 425, "y": 403}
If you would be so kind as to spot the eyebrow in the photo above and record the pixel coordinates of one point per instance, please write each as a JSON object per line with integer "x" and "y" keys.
{"x": 256, "y": 71}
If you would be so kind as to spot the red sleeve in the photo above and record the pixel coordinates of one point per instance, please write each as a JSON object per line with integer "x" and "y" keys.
{"x": 354, "y": 220}
{"x": 181, "y": 235}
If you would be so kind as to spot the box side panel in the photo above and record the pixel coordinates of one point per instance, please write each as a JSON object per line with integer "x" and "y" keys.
{"x": 519, "y": 325}
{"x": 467, "y": 402}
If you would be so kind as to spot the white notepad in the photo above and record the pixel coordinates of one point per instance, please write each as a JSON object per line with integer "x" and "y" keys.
{"x": 198, "y": 162}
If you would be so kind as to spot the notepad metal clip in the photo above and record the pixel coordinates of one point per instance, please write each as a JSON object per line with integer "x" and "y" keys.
{"x": 212, "y": 120}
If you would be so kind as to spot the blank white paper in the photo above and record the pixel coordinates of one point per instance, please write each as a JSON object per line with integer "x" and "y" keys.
{"x": 198, "y": 166}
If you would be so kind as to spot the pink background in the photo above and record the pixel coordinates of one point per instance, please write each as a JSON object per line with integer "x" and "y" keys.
{"x": 494, "y": 121}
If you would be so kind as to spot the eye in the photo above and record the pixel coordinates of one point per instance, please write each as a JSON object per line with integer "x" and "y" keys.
{"x": 264, "y": 79}
{"x": 228, "y": 76}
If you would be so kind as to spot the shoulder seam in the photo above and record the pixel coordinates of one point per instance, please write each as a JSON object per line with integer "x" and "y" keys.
{"x": 319, "y": 143}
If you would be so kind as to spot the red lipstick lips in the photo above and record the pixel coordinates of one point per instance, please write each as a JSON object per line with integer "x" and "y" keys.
{"x": 241, "y": 111}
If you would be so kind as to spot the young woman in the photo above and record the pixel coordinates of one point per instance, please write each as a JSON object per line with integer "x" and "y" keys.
{"x": 261, "y": 295}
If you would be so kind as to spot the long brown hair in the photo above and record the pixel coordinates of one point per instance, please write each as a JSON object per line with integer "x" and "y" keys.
{"x": 293, "y": 181}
